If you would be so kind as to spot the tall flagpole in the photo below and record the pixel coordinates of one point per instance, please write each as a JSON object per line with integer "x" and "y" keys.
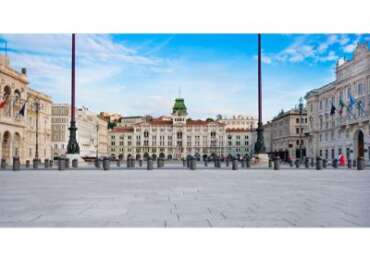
{"x": 73, "y": 147}
{"x": 259, "y": 146}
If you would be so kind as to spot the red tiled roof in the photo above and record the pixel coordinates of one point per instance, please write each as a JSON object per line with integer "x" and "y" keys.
{"x": 122, "y": 129}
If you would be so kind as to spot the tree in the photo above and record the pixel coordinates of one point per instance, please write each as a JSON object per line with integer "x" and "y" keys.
{"x": 112, "y": 125}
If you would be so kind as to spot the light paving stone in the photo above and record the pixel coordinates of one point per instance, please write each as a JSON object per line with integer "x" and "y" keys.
{"x": 183, "y": 198}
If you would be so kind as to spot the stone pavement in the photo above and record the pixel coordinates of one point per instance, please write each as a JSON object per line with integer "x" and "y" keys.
{"x": 184, "y": 198}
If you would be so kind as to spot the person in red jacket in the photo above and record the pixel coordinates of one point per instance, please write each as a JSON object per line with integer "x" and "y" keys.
{"x": 342, "y": 160}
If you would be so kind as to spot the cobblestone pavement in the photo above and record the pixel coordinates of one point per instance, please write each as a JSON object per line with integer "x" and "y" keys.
{"x": 184, "y": 198}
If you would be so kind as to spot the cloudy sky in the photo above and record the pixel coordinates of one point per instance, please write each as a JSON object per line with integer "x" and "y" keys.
{"x": 138, "y": 74}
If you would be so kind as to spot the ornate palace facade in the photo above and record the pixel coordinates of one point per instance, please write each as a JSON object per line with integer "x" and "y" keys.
{"x": 177, "y": 136}
{"x": 338, "y": 113}
{"x": 24, "y": 116}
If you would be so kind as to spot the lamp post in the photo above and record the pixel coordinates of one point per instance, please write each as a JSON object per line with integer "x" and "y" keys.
{"x": 37, "y": 110}
{"x": 259, "y": 146}
{"x": 300, "y": 107}
{"x": 97, "y": 140}
{"x": 73, "y": 147}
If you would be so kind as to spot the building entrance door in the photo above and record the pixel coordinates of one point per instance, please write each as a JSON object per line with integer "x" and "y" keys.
{"x": 359, "y": 144}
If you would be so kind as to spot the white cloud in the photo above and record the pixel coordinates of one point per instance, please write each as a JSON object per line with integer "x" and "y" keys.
{"x": 266, "y": 59}
{"x": 344, "y": 40}
{"x": 350, "y": 47}
{"x": 306, "y": 48}
{"x": 331, "y": 39}
{"x": 330, "y": 57}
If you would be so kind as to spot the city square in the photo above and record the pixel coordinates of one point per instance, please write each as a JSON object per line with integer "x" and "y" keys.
{"x": 178, "y": 197}
{"x": 63, "y": 165}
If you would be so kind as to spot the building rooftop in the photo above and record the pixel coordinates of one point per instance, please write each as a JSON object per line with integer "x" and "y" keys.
{"x": 122, "y": 130}
{"x": 179, "y": 107}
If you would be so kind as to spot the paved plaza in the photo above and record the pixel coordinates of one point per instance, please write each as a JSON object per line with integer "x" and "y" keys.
{"x": 185, "y": 198}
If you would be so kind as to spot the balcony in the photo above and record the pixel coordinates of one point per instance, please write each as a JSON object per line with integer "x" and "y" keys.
{"x": 353, "y": 119}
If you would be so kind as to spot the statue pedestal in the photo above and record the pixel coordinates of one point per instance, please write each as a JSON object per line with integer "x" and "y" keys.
{"x": 72, "y": 156}
{"x": 261, "y": 160}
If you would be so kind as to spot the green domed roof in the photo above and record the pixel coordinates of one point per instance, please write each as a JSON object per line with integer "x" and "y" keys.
{"x": 179, "y": 106}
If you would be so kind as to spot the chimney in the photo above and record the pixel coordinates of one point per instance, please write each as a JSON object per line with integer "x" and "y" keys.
{"x": 24, "y": 71}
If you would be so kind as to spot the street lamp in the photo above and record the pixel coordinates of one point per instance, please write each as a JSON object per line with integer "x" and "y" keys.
{"x": 300, "y": 107}
{"x": 259, "y": 146}
{"x": 73, "y": 147}
{"x": 37, "y": 110}
{"x": 97, "y": 140}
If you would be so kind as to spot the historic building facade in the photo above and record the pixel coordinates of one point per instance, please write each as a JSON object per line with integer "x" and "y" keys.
{"x": 338, "y": 113}
{"x": 239, "y": 122}
{"x": 287, "y": 137}
{"x": 24, "y": 116}
{"x": 92, "y": 131}
{"x": 177, "y": 136}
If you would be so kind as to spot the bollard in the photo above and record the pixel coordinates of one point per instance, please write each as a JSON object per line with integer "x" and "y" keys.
{"x": 242, "y": 163}
{"x": 140, "y": 163}
{"x": 360, "y": 164}
{"x": 149, "y": 165}
{"x": 248, "y": 162}
{"x": 16, "y": 164}
{"x": 46, "y": 163}
{"x": 354, "y": 163}
{"x": 349, "y": 164}
{"x": 335, "y": 163}
{"x": 297, "y": 163}
{"x": 290, "y": 163}
{"x": 324, "y": 163}
{"x": 205, "y": 163}
{"x": 188, "y": 162}
{"x": 158, "y": 163}
{"x": 75, "y": 163}
{"x": 61, "y": 164}
{"x": 235, "y": 165}
{"x": 35, "y": 163}
{"x": 3, "y": 164}
{"x": 51, "y": 163}
{"x": 97, "y": 163}
{"x": 106, "y": 164}
{"x": 28, "y": 164}
{"x": 307, "y": 163}
{"x": 66, "y": 161}
{"x": 270, "y": 163}
{"x": 218, "y": 163}
{"x": 128, "y": 163}
{"x": 193, "y": 164}
{"x": 318, "y": 163}
{"x": 276, "y": 163}
{"x": 118, "y": 163}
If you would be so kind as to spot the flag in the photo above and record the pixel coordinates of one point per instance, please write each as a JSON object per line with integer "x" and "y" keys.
{"x": 3, "y": 101}
{"x": 23, "y": 108}
{"x": 360, "y": 107}
{"x": 352, "y": 102}
{"x": 341, "y": 105}
{"x": 332, "y": 110}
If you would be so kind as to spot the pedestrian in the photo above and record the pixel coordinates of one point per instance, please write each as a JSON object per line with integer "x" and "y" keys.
{"x": 342, "y": 160}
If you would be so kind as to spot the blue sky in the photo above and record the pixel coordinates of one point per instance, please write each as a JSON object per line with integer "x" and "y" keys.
{"x": 138, "y": 74}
